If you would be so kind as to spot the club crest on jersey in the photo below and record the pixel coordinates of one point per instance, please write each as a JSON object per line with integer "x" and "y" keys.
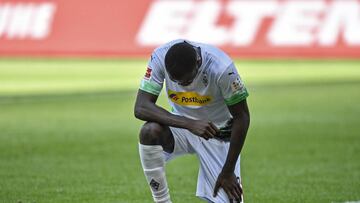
{"x": 205, "y": 79}
{"x": 188, "y": 98}
{"x": 148, "y": 73}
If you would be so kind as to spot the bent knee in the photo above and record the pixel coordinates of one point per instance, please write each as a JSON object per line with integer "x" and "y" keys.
{"x": 151, "y": 133}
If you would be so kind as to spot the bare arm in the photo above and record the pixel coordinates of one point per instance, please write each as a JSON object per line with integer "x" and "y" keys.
{"x": 241, "y": 115}
{"x": 147, "y": 110}
{"x": 227, "y": 180}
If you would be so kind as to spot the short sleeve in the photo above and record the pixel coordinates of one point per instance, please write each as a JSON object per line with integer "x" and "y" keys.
{"x": 154, "y": 76}
{"x": 232, "y": 87}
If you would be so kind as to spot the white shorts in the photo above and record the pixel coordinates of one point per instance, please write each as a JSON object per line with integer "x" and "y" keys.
{"x": 211, "y": 154}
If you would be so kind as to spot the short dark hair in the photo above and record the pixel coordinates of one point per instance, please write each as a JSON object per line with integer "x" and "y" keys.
{"x": 180, "y": 59}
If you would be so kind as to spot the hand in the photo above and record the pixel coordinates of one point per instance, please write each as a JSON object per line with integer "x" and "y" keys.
{"x": 204, "y": 129}
{"x": 231, "y": 186}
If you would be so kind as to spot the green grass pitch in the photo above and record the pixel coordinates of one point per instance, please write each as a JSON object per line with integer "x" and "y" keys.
{"x": 68, "y": 134}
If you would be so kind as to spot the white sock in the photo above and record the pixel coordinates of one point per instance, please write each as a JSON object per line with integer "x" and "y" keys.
{"x": 153, "y": 163}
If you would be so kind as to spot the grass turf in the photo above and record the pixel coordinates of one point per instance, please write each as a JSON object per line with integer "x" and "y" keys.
{"x": 67, "y": 133}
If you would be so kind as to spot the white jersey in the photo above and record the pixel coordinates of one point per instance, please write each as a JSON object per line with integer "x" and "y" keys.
{"x": 216, "y": 85}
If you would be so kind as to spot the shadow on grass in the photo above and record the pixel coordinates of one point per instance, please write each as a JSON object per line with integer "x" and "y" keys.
{"x": 68, "y": 96}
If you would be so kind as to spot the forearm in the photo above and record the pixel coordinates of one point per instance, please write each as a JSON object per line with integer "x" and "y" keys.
{"x": 237, "y": 140}
{"x": 152, "y": 112}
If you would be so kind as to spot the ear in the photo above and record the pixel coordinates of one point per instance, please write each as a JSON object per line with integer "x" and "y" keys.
{"x": 198, "y": 62}
{"x": 198, "y": 56}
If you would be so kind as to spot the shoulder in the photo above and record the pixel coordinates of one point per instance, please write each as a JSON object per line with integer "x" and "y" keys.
{"x": 216, "y": 60}
{"x": 217, "y": 54}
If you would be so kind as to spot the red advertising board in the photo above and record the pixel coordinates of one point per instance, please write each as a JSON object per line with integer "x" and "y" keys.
{"x": 243, "y": 28}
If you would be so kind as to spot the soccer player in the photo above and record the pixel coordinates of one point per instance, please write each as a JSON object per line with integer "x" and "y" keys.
{"x": 209, "y": 117}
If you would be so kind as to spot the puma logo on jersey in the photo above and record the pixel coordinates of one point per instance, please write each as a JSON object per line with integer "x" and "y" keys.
{"x": 188, "y": 98}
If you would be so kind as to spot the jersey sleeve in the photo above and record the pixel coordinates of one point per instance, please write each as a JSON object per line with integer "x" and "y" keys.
{"x": 232, "y": 87}
{"x": 154, "y": 76}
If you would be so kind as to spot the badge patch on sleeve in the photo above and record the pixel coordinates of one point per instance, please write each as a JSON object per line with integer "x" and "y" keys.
{"x": 237, "y": 85}
{"x": 148, "y": 73}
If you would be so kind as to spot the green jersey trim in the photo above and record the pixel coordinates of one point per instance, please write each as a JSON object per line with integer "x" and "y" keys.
{"x": 150, "y": 87}
{"x": 236, "y": 98}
